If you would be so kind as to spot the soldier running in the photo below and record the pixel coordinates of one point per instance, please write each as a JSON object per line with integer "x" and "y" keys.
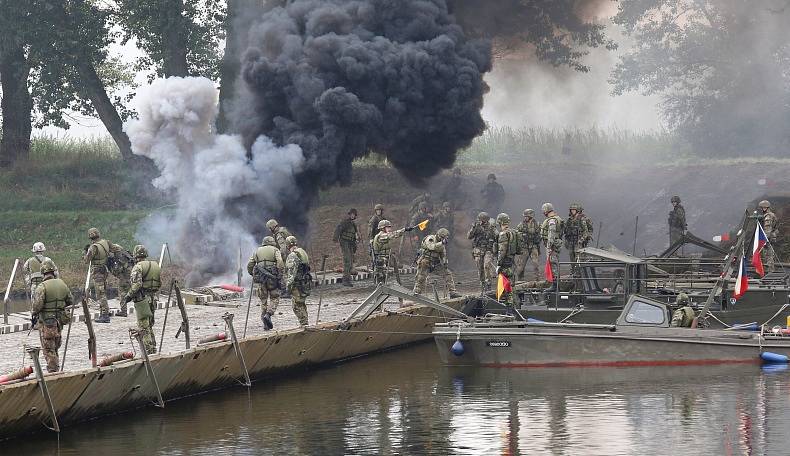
{"x": 433, "y": 259}
{"x": 146, "y": 279}
{"x": 266, "y": 267}
{"x": 483, "y": 237}
{"x": 529, "y": 231}
{"x": 48, "y": 312}
{"x": 299, "y": 281}
{"x": 347, "y": 235}
{"x": 32, "y": 268}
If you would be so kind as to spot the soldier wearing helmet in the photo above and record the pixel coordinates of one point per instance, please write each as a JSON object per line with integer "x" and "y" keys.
{"x": 575, "y": 233}
{"x": 445, "y": 219}
{"x": 347, "y": 235}
{"x": 771, "y": 228}
{"x": 280, "y": 233}
{"x": 483, "y": 236}
{"x": 416, "y": 203}
{"x": 48, "y": 312}
{"x": 551, "y": 231}
{"x": 677, "y": 220}
{"x": 373, "y": 222}
{"x": 529, "y": 232}
{"x": 684, "y": 314}
{"x": 493, "y": 194}
{"x": 266, "y": 267}
{"x": 102, "y": 254}
{"x": 32, "y": 268}
{"x": 508, "y": 246}
{"x": 383, "y": 256}
{"x": 588, "y": 224}
{"x": 423, "y": 214}
{"x": 299, "y": 281}
{"x": 433, "y": 259}
{"x": 453, "y": 191}
{"x": 146, "y": 279}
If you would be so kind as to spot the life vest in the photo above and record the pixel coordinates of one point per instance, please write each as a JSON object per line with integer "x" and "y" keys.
{"x": 102, "y": 253}
{"x": 151, "y": 275}
{"x": 55, "y": 294}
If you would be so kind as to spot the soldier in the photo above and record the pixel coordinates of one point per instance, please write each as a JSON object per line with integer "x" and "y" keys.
{"x": 382, "y": 251}
{"x": 433, "y": 259}
{"x": 421, "y": 216}
{"x": 373, "y": 223}
{"x": 299, "y": 282}
{"x": 508, "y": 247}
{"x": 99, "y": 254}
{"x": 32, "y": 268}
{"x": 483, "y": 237}
{"x": 266, "y": 267}
{"x": 453, "y": 191}
{"x": 280, "y": 234}
{"x": 417, "y": 202}
{"x": 683, "y": 316}
{"x": 493, "y": 194}
{"x": 588, "y": 224}
{"x": 145, "y": 283}
{"x": 771, "y": 227}
{"x": 121, "y": 268}
{"x": 529, "y": 231}
{"x": 347, "y": 235}
{"x": 551, "y": 232}
{"x": 445, "y": 219}
{"x": 677, "y": 220}
{"x": 49, "y": 312}
{"x": 575, "y": 232}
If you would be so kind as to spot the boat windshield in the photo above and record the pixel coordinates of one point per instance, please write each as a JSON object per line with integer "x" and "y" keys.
{"x": 642, "y": 312}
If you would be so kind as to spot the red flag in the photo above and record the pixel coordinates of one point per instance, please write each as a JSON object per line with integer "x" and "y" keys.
{"x": 547, "y": 271}
{"x": 502, "y": 285}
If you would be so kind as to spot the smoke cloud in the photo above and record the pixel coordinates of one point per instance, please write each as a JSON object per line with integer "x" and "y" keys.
{"x": 344, "y": 78}
{"x": 222, "y": 195}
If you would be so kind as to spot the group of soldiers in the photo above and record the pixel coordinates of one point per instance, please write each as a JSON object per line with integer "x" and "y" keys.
{"x": 139, "y": 280}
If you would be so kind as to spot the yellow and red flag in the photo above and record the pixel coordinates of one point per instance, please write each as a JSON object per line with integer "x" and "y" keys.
{"x": 423, "y": 225}
{"x": 547, "y": 271}
{"x": 502, "y": 285}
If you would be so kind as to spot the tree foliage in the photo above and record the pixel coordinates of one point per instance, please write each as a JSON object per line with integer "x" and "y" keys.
{"x": 720, "y": 67}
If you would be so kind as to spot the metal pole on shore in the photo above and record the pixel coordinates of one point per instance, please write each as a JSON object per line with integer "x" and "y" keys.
{"x": 8, "y": 291}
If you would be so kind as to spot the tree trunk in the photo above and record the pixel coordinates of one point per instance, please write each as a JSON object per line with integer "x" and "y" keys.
{"x": 174, "y": 38}
{"x": 93, "y": 88}
{"x": 17, "y": 106}
{"x": 241, "y": 14}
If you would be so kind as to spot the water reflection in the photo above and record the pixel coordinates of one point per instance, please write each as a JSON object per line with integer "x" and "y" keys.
{"x": 406, "y": 403}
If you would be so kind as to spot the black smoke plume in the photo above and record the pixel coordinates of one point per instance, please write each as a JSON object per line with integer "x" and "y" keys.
{"x": 344, "y": 78}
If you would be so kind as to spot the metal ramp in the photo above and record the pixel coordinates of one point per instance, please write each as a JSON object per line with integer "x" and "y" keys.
{"x": 689, "y": 238}
{"x": 384, "y": 292}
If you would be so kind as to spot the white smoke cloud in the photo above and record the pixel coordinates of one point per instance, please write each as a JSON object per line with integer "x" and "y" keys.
{"x": 222, "y": 195}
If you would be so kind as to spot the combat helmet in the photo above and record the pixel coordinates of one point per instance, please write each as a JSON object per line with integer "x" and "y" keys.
{"x": 268, "y": 240}
{"x": 483, "y": 217}
{"x": 491, "y": 176}
{"x": 682, "y": 299}
{"x": 140, "y": 251}
{"x": 384, "y": 223}
{"x": 446, "y": 205}
{"x": 575, "y": 207}
{"x": 503, "y": 219}
{"x": 529, "y": 213}
{"x": 675, "y": 199}
{"x": 765, "y": 204}
{"x": 93, "y": 233}
{"x": 378, "y": 207}
{"x": 442, "y": 233}
{"x": 353, "y": 211}
{"x": 290, "y": 241}
{"x": 272, "y": 224}
{"x": 47, "y": 267}
{"x": 38, "y": 247}
{"x": 547, "y": 207}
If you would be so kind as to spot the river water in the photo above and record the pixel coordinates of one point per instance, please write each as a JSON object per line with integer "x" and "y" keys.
{"x": 406, "y": 402}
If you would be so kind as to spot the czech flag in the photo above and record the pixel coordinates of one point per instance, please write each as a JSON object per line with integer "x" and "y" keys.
{"x": 502, "y": 285}
{"x": 742, "y": 282}
{"x": 547, "y": 270}
{"x": 424, "y": 224}
{"x": 759, "y": 242}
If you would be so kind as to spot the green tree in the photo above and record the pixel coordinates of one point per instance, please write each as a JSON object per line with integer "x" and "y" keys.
{"x": 17, "y": 104}
{"x": 720, "y": 67}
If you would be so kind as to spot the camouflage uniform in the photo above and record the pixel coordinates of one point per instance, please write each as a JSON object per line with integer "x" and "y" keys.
{"x": 373, "y": 222}
{"x": 32, "y": 268}
{"x": 483, "y": 236}
{"x": 268, "y": 259}
{"x": 771, "y": 228}
{"x": 493, "y": 195}
{"x": 575, "y": 232}
{"x": 347, "y": 235}
{"x": 445, "y": 219}
{"x": 299, "y": 280}
{"x": 433, "y": 259}
{"x": 551, "y": 233}
{"x": 683, "y": 316}
{"x": 588, "y": 224}
{"x": 383, "y": 256}
{"x": 422, "y": 215}
{"x": 530, "y": 235}
{"x": 280, "y": 234}
{"x": 418, "y": 201}
{"x": 677, "y": 221}
{"x": 97, "y": 255}
{"x": 453, "y": 191}
{"x": 121, "y": 269}
{"x": 506, "y": 254}
{"x": 145, "y": 283}
{"x": 50, "y": 299}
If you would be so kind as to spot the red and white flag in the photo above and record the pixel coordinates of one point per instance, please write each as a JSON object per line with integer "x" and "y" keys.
{"x": 760, "y": 239}
{"x": 742, "y": 282}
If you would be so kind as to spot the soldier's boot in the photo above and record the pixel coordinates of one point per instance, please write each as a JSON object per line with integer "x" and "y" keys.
{"x": 102, "y": 318}
{"x": 122, "y": 312}
{"x": 267, "y": 321}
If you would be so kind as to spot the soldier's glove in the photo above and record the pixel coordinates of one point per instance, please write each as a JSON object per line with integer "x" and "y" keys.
{"x": 409, "y": 228}
{"x": 87, "y": 246}
{"x": 497, "y": 270}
